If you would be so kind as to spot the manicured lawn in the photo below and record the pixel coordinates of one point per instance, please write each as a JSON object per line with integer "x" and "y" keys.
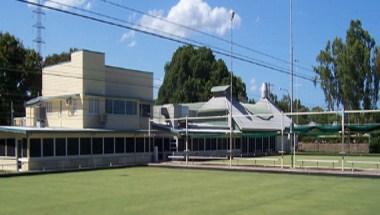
{"x": 148, "y": 191}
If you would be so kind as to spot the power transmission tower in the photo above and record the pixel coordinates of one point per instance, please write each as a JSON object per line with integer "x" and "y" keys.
{"x": 38, "y": 40}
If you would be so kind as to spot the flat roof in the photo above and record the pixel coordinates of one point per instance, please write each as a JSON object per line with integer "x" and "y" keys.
{"x": 24, "y": 130}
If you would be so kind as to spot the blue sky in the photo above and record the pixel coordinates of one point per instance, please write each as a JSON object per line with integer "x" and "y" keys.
{"x": 262, "y": 25}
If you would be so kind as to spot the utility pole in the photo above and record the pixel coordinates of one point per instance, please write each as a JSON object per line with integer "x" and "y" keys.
{"x": 231, "y": 74}
{"x": 291, "y": 82}
{"x": 12, "y": 114}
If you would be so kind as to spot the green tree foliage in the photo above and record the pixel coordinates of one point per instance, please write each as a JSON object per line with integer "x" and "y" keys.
{"x": 20, "y": 75}
{"x": 59, "y": 58}
{"x": 284, "y": 105}
{"x": 190, "y": 75}
{"x": 349, "y": 70}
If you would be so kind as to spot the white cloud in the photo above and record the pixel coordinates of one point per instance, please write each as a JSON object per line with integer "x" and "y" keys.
{"x": 129, "y": 38}
{"x": 196, "y": 14}
{"x": 65, "y": 3}
{"x": 253, "y": 85}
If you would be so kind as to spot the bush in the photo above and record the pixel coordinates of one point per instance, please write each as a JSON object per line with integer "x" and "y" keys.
{"x": 374, "y": 146}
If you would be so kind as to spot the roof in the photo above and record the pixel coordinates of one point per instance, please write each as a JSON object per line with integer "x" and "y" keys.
{"x": 247, "y": 116}
{"x": 39, "y": 99}
{"x": 217, "y": 89}
{"x": 25, "y": 130}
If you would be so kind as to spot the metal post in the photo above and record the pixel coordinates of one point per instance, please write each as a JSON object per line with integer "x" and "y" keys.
{"x": 187, "y": 145}
{"x": 148, "y": 135}
{"x": 342, "y": 152}
{"x": 231, "y": 77}
{"x": 12, "y": 114}
{"x": 282, "y": 139}
{"x": 292, "y": 77}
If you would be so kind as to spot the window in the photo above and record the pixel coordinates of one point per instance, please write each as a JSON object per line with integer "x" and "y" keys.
{"x": 48, "y": 147}
{"x": 166, "y": 144}
{"x": 119, "y": 145}
{"x": 130, "y": 144}
{"x": 145, "y": 110}
{"x": 131, "y": 108}
{"x": 49, "y": 107}
{"x": 93, "y": 106}
{"x": 97, "y": 145}
{"x": 72, "y": 146}
{"x": 35, "y": 147}
{"x": 2, "y": 147}
{"x": 108, "y": 106}
{"x": 201, "y": 144}
{"x": 85, "y": 146}
{"x": 60, "y": 147}
{"x": 73, "y": 106}
{"x": 139, "y": 144}
{"x": 118, "y": 107}
{"x": 108, "y": 145}
{"x": 195, "y": 144}
{"x": 11, "y": 147}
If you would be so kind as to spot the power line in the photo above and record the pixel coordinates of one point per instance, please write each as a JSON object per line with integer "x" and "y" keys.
{"x": 202, "y": 32}
{"x": 181, "y": 41}
{"x": 191, "y": 41}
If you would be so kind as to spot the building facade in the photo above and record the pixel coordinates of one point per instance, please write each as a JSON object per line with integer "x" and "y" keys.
{"x": 89, "y": 115}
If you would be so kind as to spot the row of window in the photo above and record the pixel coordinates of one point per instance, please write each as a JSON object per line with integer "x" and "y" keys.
{"x": 72, "y": 102}
{"x": 8, "y": 147}
{"x": 122, "y": 107}
{"x": 48, "y": 147}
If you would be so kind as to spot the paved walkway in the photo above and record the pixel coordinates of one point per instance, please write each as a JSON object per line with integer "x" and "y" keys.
{"x": 303, "y": 171}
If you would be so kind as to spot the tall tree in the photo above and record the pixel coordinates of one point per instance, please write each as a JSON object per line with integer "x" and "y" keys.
{"x": 347, "y": 70}
{"x": 190, "y": 75}
{"x": 58, "y": 58}
{"x": 20, "y": 75}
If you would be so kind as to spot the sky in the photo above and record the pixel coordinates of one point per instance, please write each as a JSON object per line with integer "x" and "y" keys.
{"x": 260, "y": 25}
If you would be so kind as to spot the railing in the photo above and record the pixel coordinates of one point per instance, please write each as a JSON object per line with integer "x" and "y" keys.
{"x": 317, "y": 162}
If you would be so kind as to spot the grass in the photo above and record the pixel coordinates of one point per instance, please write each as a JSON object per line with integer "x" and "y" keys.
{"x": 144, "y": 190}
{"x": 287, "y": 161}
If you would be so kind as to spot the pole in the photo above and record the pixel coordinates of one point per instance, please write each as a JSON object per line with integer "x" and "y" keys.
{"x": 342, "y": 150}
{"x": 149, "y": 132}
{"x": 187, "y": 144}
{"x": 12, "y": 114}
{"x": 231, "y": 77}
{"x": 282, "y": 139}
{"x": 291, "y": 79}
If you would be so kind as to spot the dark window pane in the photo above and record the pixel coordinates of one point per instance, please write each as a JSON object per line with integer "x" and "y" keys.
{"x": 166, "y": 144}
{"x": 201, "y": 144}
{"x": 60, "y": 147}
{"x": 213, "y": 144}
{"x": 130, "y": 144}
{"x": 139, "y": 144}
{"x": 181, "y": 145}
{"x": 2, "y": 147}
{"x": 158, "y": 142}
{"x": 11, "y": 147}
{"x": 72, "y": 146}
{"x": 35, "y": 147}
{"x": 85, "y": 146}
{"x": 48, "y": 147}
{"x": 119, "y": 145}
{"x": 108, "y": 105}
{"x": 131, "y": 107}
{"x": 118, "y": 107}
{"x": 108, "y": 145}
{"x": 195, "y": 144}
{"x": 144, "y": 110}
{"x": 97, "y": 145}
